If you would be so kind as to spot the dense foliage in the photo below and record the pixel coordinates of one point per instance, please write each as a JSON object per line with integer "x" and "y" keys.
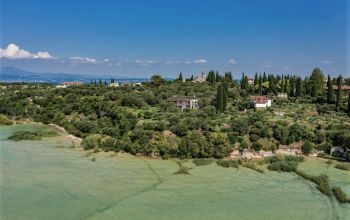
{"x": 141, "y": 120}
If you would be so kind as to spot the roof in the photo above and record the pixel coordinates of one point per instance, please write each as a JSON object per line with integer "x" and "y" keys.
{"x": 71, "y": 83}
{"x": 182, "y": 98}
{"x": 342, "y": 88}
{"x": 260, "y": 99}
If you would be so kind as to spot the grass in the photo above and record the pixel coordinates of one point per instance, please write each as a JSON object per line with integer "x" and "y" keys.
{"x": 343, "y": 166}
{"x": 202, "y": 162}
{"x": 228, "y": 163}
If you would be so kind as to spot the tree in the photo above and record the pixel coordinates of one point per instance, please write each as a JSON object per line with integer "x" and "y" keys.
{"x": 260, "y": 86}
{"x": 220, "y": 99}
{"x": 282, "y": 85}
{"x": 180, "y": 77}
{"x": 100, "y": 82}
{"x": 339, "y": 94}
{"x": 256, "y": 79}
{"x": 306, "y": 148}
{"x": 217, "y": 77}
{"x": 157, "y": 80}
{"x": 349, "y": 105}
{"x": 242, "y": 81}
{"x": 264, "y": 77}
{"x": 291, "y": 89}
{"x": 191, "y": 78}
{"x": 298, "y": 89}
{"x": 330, "y": 92}
{"x": 286, "y": 85}
{"x": 316, "y": 82}
{"x": 225, "y": 91}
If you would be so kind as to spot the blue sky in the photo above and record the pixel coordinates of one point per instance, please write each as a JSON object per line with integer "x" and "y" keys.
{"x": 143, "y": 37}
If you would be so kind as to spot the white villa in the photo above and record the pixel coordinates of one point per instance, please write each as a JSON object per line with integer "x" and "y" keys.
{"x": 261, "y": 101}
{"x": 114, "y": 84}
{"x": 184, "y": 102}
{"x": 66, "y": 84}
{"x": 250, "y": 81}
{"x": 282, "y": 95}
{"x": 200, "y": 78}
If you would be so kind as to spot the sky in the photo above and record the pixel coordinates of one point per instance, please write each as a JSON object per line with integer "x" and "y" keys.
{"x": 140, "y": 38}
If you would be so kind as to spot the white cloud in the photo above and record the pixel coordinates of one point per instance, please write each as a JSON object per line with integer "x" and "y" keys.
{"x": 12, "y": 51}
{"x": 286, "y": 68}
{"x": 267, "y": 65}
{"x": 232, "y": 61}
{"x": 83, "y": 60}
{"x": 327, "y": 62}
{"x": 188, "y": 62}
{"x": 119, "y": 64}
{"x": 106, "y": 60}
{"x": 200, "y": 61}
{"x": 145, "y": 62}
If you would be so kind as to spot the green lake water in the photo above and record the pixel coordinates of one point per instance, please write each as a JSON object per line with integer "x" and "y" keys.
{"x": 47, "y": 179}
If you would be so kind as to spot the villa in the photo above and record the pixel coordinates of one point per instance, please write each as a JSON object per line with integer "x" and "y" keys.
{"x": 250, "y": 81}
{"x": 282, "y": 95}
{"x": 114, "y": 84}
{"x": 345, "y": 89}
{"x": 185, "y": 102}
{"x": 200, "y": 78}
{"x": 261, "y": 101}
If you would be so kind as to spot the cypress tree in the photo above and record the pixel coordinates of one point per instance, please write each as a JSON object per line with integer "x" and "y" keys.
{"x": 339, "y": 95}
{"x": 264, "y": 77}
{"x": 217, "y": 77}
{"x": 180, "y": 77}
{"x": 330, "y": 92}
{"x": 225, "y": 91}
{"x": 349, "y": 105}
{"x": 298, "y": 87}
{"x": 246, "y": 84}
{"x": 260, "y": 85}
{"x": 191, "y": 78}
{"x": 105, "y": 82}
{"x": 291, "y": 91}
{"x": 220, "y": 99}
{"x": 282, "y": 85}
{"x": 100, "y": 82}
{"x": 91, "y": 82}
{"x": 256, "y": 80}
{"x": 286, "y": 85}
{"x": 242, "y": 81}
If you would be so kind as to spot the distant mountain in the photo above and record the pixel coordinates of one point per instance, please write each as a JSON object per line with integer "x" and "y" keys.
{"x": 10, "y": 74}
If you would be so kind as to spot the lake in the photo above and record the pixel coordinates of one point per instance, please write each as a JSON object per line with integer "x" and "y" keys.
{"x": 48, "y": 179}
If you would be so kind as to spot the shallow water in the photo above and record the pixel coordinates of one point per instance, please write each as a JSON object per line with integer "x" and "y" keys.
{"x": 44, "y": 180}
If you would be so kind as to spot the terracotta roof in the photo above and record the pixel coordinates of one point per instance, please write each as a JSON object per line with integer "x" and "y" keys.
{"x": 342, "y": 88}
{"x": 260, "y": 99}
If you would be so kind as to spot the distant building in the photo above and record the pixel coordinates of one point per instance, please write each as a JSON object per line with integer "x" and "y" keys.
{"x": 261, "y": 101}
{"x": 200, "y": 78}
{"x": 282, "y": 95}
{"x": 345, "y": 89}
{"x": 114, "y": 84}
{"x": 339, "y": 152}
{"x": 250, "y": 81}
{"x": 66, "y": 84}
{"x": 184, "y": 102}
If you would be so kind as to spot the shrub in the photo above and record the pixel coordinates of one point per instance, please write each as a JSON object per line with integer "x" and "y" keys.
{"x": 227, "y": 163}
{"x": 202, "y": 162}
{"x": 343, "y": 166}
{"x": 306, "y": 148}
{"x": 283, "y": 166}
{"x": 252, "y": 166}
{"x": 321, "y": 182}
{"x": 256, "y": 146}
{"x": 340, "y": 195}
{"x": 182, "y": 169}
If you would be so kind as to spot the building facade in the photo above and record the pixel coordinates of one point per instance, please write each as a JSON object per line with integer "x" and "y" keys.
{"x": 184, "y": 102}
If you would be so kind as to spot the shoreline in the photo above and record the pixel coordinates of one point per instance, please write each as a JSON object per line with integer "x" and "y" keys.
{"x": 78, "y": 141}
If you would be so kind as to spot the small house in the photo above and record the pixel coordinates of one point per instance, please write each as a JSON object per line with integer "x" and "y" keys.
{"x": 185, "y": 102}
{"x": 261, "y": 101}
{"x": 114, "y": 84}
{"x": 345, "y": 89}
{"x": 251, "y": 81}
{"x": 282, "y": 95}
{"x": 200, "y": 78}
